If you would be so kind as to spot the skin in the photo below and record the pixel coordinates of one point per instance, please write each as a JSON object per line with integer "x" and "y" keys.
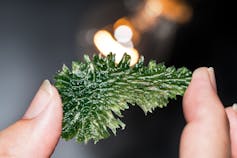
{"x": 37, "y": 133}
{"x": 210, "y": 132}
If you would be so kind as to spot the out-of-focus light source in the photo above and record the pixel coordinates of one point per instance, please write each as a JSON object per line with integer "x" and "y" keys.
{"x": 176, "y": 10}
{"x": 153, "y": 8}
{"x": 148, "y": 15}
{"x": 106, "y": 44}
{"x": 127, "y": 32}
{"x": 129, "y": 25}
{"x": 123, "y": 34}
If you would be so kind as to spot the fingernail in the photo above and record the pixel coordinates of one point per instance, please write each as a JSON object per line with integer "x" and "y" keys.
{"x": 201, "y": 78}
{"x": 40, "y": 100}
{"x": 46, "y": 86}
{"x": 234, "y": 106}
{"x": 212, "y": 77}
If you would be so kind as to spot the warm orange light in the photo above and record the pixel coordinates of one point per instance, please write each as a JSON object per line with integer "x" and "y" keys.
{"x": 127, "y": 22}
{"x": 148, "y": 15}
{"x": 107, "y": 44}
{"x": 176, "y": 10}
{"x": 144, "y": 19}
{"x": 153, "y": 8}
{"x": 127, "y": 31}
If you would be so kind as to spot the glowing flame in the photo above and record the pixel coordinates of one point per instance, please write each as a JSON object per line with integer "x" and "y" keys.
{"x": 107, "y": 44}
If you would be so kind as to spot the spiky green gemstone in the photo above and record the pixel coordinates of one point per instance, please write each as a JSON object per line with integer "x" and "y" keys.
{"x": 95, "y": 92}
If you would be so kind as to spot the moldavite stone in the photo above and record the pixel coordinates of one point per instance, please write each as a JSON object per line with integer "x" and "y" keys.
{"x": 94, "y": 93}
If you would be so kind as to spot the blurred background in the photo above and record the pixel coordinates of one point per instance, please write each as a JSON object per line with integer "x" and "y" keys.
{"x": 37, "y": 37}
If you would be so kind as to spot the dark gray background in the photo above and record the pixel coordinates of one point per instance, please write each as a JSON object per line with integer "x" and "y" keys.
{"x": 37, "y": 37}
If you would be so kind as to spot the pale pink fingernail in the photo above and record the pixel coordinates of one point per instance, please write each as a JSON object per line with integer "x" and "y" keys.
{"x": 211, "y": 73}
{"x": 234, "y": 106}
{"x": 40, "y": 100}
{"x": 46, "y": 85}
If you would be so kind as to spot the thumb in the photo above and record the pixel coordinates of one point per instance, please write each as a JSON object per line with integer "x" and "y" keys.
{"x": 37, "y": 133}
{"x": 232, "y": 117}
{"x": 206, "y": 134}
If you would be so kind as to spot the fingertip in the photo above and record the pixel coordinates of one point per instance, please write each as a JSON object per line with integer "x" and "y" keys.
{"x": 57, "y": 107}
{"x": 53, "y": 113}
{"x": 200, "y": 70}
{"x": 199, "y": 74}
{"x": 56, "y": 93}
{"x": 206, "y": 133}
{"x": 39, "y": 130}
{"x": 231, "y": 111}
{"x": 40, "y": 100}
{"x": 232, "y": 117}
{"x": 199, "y": 95}
{"x": 48, "y": 125}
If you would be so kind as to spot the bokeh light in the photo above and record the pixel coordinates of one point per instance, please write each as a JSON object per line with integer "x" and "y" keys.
{"x": 107, "y": 44}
